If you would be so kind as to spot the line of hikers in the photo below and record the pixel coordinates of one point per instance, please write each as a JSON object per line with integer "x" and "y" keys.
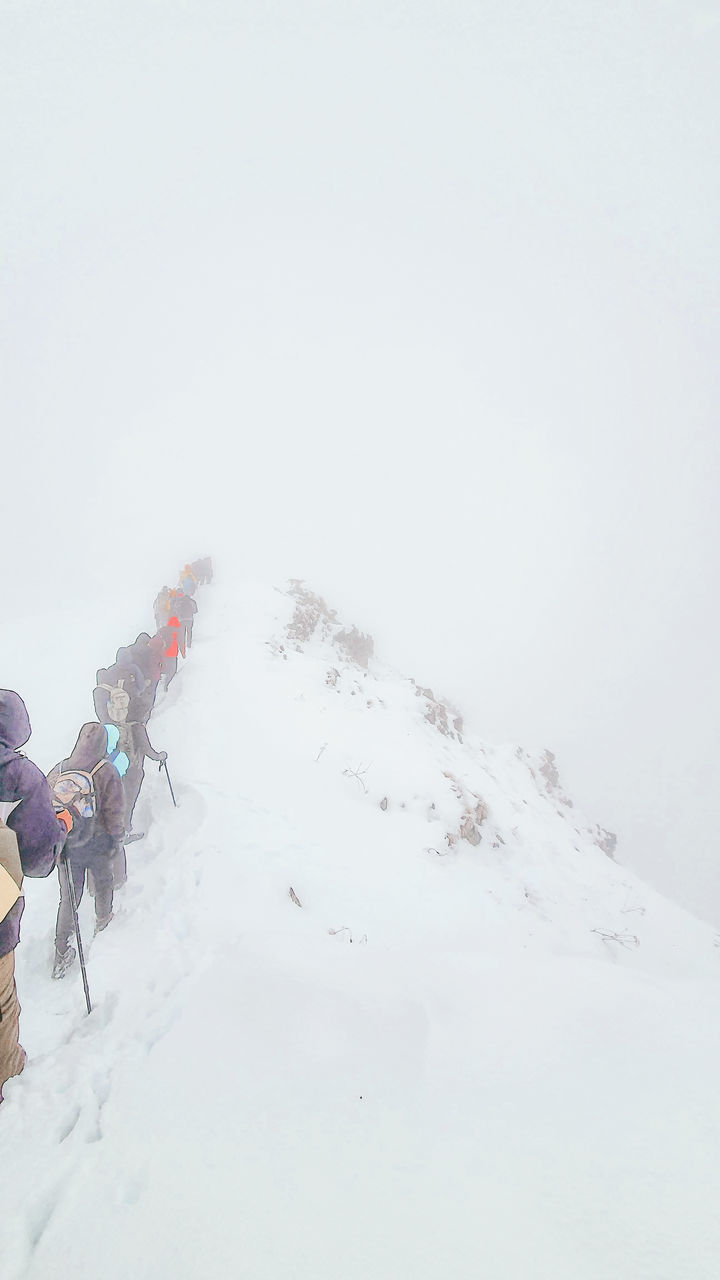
{"x": 79, "y": 818}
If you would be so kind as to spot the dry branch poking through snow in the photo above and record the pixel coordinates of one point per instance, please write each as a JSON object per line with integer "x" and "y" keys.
{"x": 359, "y": 774}
{"x": 629, "y": 940}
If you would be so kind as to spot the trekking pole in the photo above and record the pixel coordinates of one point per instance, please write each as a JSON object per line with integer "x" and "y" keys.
{"x": 73, "y": 904}
{"x": 163, "y": 765}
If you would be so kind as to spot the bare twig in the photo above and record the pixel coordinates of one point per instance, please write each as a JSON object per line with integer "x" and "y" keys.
{"x": 359, "y": 774}
{"x": 324, "y": 745}
{"x": 628, "y": 940}
{"x": 294, "y": 897}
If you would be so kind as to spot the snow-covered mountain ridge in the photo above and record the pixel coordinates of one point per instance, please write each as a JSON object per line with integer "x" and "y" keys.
{"x": 425, "y": 1061}
{"x": 407, "y": 752}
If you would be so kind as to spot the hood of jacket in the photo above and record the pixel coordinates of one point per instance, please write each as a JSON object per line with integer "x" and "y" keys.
{"x": 14, "y": 723}
{"x": 90, "y": 747}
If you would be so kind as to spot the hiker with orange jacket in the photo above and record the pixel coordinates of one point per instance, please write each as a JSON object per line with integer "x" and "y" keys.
{"x": 170, "y": 635}
{"x": 160, "y": 607}
{"x": 187, "y": 581}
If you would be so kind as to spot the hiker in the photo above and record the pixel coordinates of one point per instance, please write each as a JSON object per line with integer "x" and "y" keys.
{"x": 203, "y": 570}
{"x": 147, "y": 655}
{"x": 122, "y": 683}
{"x": 170, "y": 652}
{"x": 187, "y": 582}
{"x": 133, "y": 740}
{"x": 120, "y": 763}
{"x": 94, "y": 793}
{"x": 31, "y": 837}
{"x": 186, "y": 610}
{"x": 160, "y": 607}
{"x": 127, "y": 747}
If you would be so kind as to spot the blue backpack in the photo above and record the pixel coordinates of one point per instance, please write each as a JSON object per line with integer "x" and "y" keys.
{"x": 116, "y": 757}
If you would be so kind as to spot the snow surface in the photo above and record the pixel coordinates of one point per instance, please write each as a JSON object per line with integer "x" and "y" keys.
{"x": 435, "y": 1060}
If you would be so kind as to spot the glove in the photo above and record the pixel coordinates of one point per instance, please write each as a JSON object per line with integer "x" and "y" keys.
{"x": 163, "y": 757}
{"x": 65, "y": 817}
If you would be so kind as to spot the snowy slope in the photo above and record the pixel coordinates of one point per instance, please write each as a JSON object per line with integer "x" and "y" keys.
{"x": 439, "y": 1058}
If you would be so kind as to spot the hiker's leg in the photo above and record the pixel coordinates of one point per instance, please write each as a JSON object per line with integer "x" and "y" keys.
{"x": 65, "y": 923}
{"x": 12, "y": 1055}
{"x": 132, "y": 783}
{"x": 100, "y": 859}
{"x": 118, "y": 867}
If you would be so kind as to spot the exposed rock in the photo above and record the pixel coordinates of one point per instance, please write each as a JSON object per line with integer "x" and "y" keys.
{"x": 474, "y": 813}
{"x": 311, "y": 613}
{"x": 358, "y": 646}
{"x": 469, "y": 831}
{"x": 605, "y": 840}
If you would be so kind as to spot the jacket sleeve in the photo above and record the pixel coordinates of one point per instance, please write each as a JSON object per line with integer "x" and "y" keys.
{"x": 40, "y": 836}
{"x": 100, "y": 703}
{"x": 143, "y": 743}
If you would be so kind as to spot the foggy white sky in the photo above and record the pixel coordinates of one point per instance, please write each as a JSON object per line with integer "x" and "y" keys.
{"x": 417, "y": 301}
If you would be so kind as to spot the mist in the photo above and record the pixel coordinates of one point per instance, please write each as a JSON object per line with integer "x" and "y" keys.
{"x": 417, "y": 302}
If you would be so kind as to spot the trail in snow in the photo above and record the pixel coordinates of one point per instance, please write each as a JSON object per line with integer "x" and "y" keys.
{"x": 432, "y": 1067}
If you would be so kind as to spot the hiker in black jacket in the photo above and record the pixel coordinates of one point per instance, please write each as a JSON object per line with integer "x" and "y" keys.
{"x": 125, "y": 674}
{"x": 90, "y": 848}
{"x": 134, "y": 741}
{"x": 185, "y": 608}
{"x": 148, "y": 657}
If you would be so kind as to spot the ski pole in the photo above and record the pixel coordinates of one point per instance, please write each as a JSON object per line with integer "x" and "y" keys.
{"x": 73, "y": 904}
{"x": 163, "y": 765}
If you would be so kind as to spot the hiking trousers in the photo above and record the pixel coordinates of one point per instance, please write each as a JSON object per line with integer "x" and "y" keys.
{"x": 12, "y": 1056}
{"x": 132, "y": 782}
{"x": 94, "y": 857}
{"x": 185, "y": 634}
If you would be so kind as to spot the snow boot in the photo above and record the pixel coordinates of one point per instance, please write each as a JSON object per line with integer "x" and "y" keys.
{"x": 102, "y": 922}
{"x": 63, "y": 961}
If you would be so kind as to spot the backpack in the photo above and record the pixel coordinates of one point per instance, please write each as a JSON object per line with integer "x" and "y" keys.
{"x": 126, "y": 743}
{"x": 120, "y": 760}
{"x": 74, "y": 789}
{"x": 118, "y": 702}
{"x": 10, "y": 869}
{"x": 115, "y": 753}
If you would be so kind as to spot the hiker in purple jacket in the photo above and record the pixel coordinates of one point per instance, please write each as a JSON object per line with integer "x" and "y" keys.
{"x": 31, "y": 837}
